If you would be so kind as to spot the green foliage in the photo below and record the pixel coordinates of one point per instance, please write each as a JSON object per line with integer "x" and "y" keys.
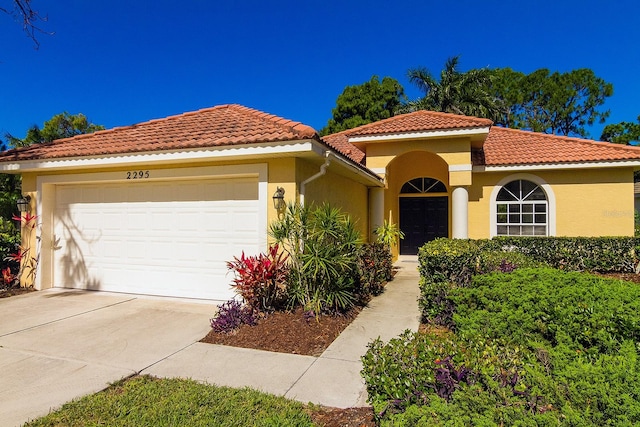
{"x": 602, "y": 254}
{"x": 422, "y": 370}
{"x": 366, "y": 103}
{"x": 449, "y": 260}
{"x": 536, "y": 347}
{"x": 147, "y": 401}
{"x": 322, "y": 244}
{"x": 456, "y": 92}
{"x": 557, "y": 103}
{"x": 388, "y": 234}
{"x": 585, "y": 313}
{"x": 374, "y": 269}
{"x": 622, "y": 133}
{"x": 63, "y": 125}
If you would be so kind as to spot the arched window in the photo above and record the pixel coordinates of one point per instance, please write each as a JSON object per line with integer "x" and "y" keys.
{"x": 522, "y": 210}
{"x": 423, "y": 186}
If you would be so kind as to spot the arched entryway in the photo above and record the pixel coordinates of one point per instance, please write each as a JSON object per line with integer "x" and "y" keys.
{"x": 424, "y": 213}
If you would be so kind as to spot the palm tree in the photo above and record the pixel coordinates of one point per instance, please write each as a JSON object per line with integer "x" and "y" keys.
{"x": 457, "y": 92}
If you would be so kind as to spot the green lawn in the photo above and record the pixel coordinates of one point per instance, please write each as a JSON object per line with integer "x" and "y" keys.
{"x": 148, "y": 401}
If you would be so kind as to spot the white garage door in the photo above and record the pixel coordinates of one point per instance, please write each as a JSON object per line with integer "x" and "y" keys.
{"x": 158, "y": 238}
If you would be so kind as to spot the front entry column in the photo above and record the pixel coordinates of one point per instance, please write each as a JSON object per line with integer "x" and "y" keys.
{"x": 460, "y": 213}
{"x": 376, "y": 211}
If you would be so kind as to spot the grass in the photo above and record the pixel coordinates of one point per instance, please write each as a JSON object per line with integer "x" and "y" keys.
{"x": 148, "y": 401}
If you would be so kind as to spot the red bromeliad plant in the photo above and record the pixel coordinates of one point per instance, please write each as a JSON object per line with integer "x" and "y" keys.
{"x": 261, "y": 279}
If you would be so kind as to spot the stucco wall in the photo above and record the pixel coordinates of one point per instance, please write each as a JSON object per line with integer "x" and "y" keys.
{"x": 588, "y": 202}
{"x": 348, "y": 195}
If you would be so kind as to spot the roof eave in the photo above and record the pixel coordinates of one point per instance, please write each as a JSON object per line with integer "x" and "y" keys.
{"x": 559, "y": 166}
{"x": 296, "y": 148}
{"x": 479, "y": 133}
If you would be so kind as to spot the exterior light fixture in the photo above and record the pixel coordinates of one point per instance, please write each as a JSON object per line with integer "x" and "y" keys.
{"x": 278, "y": 199}
{"x": 23, "y": 204}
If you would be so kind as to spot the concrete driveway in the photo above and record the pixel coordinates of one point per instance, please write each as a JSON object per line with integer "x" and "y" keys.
{"x": 57, "y": 345}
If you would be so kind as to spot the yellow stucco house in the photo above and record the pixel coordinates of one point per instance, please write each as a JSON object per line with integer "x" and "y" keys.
{"x": 159, "y": 207}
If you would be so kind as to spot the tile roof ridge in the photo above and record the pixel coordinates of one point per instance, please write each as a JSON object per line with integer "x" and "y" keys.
{"x": 306, "y": 131}
{"x": 567, "y": 138}
{"x": 484, "y": 121}
{"x": 451, "y": 115}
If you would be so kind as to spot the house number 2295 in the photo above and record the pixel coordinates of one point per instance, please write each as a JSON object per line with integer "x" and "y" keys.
{"x": 137, "y": 174}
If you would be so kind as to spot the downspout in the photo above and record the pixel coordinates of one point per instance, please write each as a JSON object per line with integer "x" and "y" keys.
{"x": 323, "y": 170}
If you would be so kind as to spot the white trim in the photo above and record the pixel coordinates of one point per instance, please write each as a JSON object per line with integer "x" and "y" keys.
{"x": 217, "y": 153}
{"x": 46, "y": 188}
{"x": 460, "y": 168}
{"x": 378, "y": 170}
{"x": 557, "y": 166}
{"x": 551, "y": 201}
{"x": 438, "y": 133}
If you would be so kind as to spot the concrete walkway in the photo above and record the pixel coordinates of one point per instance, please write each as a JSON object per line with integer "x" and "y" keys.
{"x": 59, "y": 345}
{"x": 333, "y": 379}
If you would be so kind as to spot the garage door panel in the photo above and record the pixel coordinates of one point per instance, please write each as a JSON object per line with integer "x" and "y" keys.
{"x": 168, "y": 238}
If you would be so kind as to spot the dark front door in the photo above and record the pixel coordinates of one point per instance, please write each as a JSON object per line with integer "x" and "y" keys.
{"x": 422, "y": 219}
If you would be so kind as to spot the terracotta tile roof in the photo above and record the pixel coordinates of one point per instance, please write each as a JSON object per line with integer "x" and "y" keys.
{"x": 419, "y": 121}
{"x": 212, "y": 127}
{"x": 505, "y": 146}
{"x": 340, "y": 142}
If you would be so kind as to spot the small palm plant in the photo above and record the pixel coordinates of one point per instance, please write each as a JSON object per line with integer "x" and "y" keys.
{"x": 322, "y": 246}
{"x": 388, "y": 234}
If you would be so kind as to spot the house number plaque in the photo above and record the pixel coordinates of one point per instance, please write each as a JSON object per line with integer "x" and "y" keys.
{"x": 137, "y": 174}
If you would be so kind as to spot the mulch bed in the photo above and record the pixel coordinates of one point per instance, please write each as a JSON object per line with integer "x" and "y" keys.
{"x": 10, "y": 292}
{"x": 335, "y": 417}
{"x": 287, "y": 332}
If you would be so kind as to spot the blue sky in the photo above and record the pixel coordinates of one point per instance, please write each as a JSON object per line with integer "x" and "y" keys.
{"x": 124, "y": 62}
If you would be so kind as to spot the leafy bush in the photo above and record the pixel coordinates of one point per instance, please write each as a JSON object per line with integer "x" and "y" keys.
{"x": 261, "y": 280}
{"x": 322, "y": 245}
{"x": 532, "y": 347}
{"x": 584, "y": 312}
{"x": 452, "y": 260}
{"x": 602, "y": 254}
{"x": 231, "y": 315}
{"x": 435, "y": 305}
{"x": 419, "y": 369}
{"x": 374, "y": 269}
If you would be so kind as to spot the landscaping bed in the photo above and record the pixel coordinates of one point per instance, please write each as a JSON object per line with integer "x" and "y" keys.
{"x": 287, "y": 332}
{"x": 10, "y": 292}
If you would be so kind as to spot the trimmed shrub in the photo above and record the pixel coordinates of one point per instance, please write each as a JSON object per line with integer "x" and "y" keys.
{"x": 532, "y": 347}
{"x": 584, "y": 312}
{"x": 424, "y": 369}
{"x": 444, "y": 260}
{"x": 602, "y": 254}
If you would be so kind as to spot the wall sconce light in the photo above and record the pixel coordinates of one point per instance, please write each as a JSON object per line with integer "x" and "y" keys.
{"x": 278, "y": 199}
{"x": 23, "y": 204}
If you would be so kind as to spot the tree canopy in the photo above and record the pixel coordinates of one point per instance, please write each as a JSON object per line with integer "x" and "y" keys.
{"x": 366, "y": 103}
{"x": 456, "y": 92}
{"x": 63, "y": 125}
{"x": 622, "y": 133}
{"x": 557, "y": 103}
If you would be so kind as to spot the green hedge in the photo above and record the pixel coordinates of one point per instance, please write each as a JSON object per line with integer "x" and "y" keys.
{"x": 601, "y": 254}
{"x": 458, "y": 260}
{"x": 533, "y": 347}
